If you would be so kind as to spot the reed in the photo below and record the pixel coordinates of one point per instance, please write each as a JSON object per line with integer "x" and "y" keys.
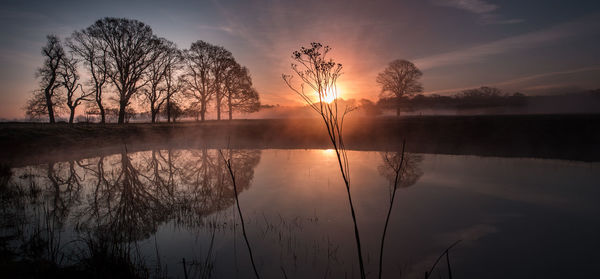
{"x": 320, "y": 73}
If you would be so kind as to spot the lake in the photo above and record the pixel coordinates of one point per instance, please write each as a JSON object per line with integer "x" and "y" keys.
{"x": 145, "y": 213}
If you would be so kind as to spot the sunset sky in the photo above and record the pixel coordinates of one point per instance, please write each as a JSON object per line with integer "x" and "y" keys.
{"x": 536, "y": 47}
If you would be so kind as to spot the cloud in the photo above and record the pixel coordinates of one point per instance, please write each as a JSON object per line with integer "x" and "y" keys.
{"x": 524, "y": 41}
{"x": 498, "y": 19}
{"x": 525, "y": 83}
{"x": 547, "y": 75}
{"x": 479, "y": 7}
{"x": 474, "y": 6}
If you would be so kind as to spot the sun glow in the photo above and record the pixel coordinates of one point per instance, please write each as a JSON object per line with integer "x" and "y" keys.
{"x": 329, "y": 95}
{"x": 328, "y": 152}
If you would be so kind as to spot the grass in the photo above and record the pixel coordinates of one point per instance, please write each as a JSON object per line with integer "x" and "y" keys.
{"x": 570, "y": 137}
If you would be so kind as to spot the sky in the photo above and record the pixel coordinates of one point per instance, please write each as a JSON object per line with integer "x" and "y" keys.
{"x": 533, "y": 46}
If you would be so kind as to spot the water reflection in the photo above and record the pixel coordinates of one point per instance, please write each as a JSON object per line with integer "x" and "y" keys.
{"x": 407, "y": 166}
{"x": 141, "y": 214}
{"x": 111, "y": 203}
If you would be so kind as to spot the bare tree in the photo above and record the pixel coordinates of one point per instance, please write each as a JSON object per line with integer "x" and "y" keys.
{"x": 320, "y": 73}
{"x": 174, "y": 83}
{"x": 222, "y": 60}
{"x": 94, "y": 53}
{"x": 69, "y": 79}
{"x": 399, "y": 79}
{"x": 131, "y": 50}
{"x": 197, "y": 76}
{"x": 155, "y": 92}
{"x": 239, "y": 92}
{"x": 45, "y": 99}
{"x": 173, "y": 111}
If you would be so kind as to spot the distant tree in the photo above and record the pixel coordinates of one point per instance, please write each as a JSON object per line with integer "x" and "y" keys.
{"x": 174, "y": 83}
{"x": 94, "y": 52}
{"x": 45, "y": 98}
{"x": 221, "y": 60}
{"x": 239, "y": 92}
{"x": 155, "y": 92}
{"x": 480, "y": 97}
{"x": 482, "y": 92}
{"x": 197, "y": 75}
{"x": 131, "y": 50}
{"x": 248, "y": 100}
{"x": 369, "y": 108}
{"x": 174, "y": 111}
{"x": 399, "y": 79}
{"x": 69, "y": 80}
{"x": 36, "y": 107}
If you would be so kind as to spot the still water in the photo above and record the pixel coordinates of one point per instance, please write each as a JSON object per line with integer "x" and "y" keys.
{"x": 146, "y": 213}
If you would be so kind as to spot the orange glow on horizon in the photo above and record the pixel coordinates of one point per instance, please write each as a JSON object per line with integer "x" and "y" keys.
{"x": 328, "y": 152}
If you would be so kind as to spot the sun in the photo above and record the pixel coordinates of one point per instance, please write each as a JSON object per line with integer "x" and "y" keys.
{"x": 328, "y": 99}
{"x": 329, "y": 95}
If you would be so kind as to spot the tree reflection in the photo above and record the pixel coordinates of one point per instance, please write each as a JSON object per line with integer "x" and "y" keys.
{"x": 114, "y": 202}
{"x": 409, "y": 170}
{"x": 401, "y": 170}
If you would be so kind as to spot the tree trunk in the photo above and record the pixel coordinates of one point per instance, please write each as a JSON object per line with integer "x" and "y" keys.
{"x": 72, "y": 115}
{"x": 153, "y": 112}
{"x": 398, "y": 110}
{"x": 122, "y": 106}
{"x": 230, "y": 106}
{"x": 202, "y": 111}
{"x": 48, "y": 96}
{"x": 218, "y": 109}
{"x": 50, "y": 109}
{"x": 169, "y": 109}
{"x": 102, "y": 113}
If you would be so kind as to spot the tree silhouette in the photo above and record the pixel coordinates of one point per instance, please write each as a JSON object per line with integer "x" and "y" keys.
{"x": 131, "y": 50}
{"x": 46, "y": 98}
{"x": 399, "y": 79}
{"x": 197, "y": 76}
{"x": 222, "y": 59}
{"x": 70, "y": 82}
{"x": 94, "y": 53}
{"x": 241, "y": 96}
{"x": 155, "y": 92}
{"x": 173, "y": 83}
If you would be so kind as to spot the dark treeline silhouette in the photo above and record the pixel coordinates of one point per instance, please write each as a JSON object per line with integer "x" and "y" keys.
{"x": 482, "y": 97}
{"x": 110, "y": 203}
{"x": 128, "y": 64}
{"x": 491, "y": 98}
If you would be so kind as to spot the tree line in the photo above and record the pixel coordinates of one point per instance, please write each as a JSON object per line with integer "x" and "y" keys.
{"x": 126, "y": 63}
{"x": 483, "y": 97}
{"x": 401, "y": 89}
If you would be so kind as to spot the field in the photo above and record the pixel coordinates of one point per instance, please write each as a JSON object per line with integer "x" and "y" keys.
{"x": 570, "y": 137}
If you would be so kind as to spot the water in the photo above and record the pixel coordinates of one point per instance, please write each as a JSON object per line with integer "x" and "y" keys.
{"x": 144, "y": 212}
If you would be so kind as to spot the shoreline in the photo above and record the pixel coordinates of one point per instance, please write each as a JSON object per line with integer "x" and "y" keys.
{"x": 566, "y": 137}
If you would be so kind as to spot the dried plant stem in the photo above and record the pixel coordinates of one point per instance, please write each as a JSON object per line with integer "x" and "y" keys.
{"x": 397, "y": 178}
{"x": 320, "y": 74}
{"x": 428, "y": 274}
{"x": 237, "y": 202}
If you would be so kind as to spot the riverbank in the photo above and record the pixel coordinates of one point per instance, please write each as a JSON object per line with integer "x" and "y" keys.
{"x": 568, "y": 137}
